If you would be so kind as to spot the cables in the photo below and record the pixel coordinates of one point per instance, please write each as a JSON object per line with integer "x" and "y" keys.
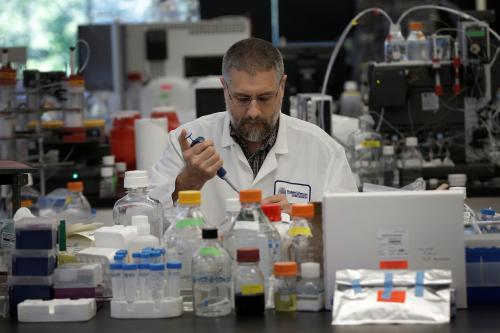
{"x": 85, "y": 63}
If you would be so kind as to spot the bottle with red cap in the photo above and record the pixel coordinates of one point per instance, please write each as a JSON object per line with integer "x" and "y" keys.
{"x": 300, "y": 234}
{"x": 273, "y": 213}
{"x": 249, "y": 297}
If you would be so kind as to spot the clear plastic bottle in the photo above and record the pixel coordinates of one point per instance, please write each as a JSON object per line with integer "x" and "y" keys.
{"x": 107, "y": 183}
{"x": 390, "y": 167}
{"x": 157, "y": 281}
{"x": 138, "y": 202}
{"x": 310, "y": 290}
{"x": 412, "y": 161}
{"x": 144, "y": 286}
{"x": 273, "y": 213}
{"x": 417, "y": 45}
{"x": 76, "y": 208}
{"x": 183, "y": 238}
{"x": 302, "y": 240}
{"x": 252, "y": 229}
{"x": 233, "y": 208}
{"x": 351, "y": 103}
{"x": 211, "y": 277}
{"x": 144, "y": 238}
{"x": 395, "y": 45}
{"x": 130, "y": 279}
{"x": 249, "y": 297}
{"x": 285, "y": 288}
{"x": 366, "y": 151}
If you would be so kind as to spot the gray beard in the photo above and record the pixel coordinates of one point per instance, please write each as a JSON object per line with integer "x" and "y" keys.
{"x": 251, "y": 133}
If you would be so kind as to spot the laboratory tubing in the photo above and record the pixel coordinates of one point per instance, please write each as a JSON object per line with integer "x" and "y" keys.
{"x": 144, "y": 287}
{"x": 130, "y": 282}
{"x": 285, "y": 288}
{"x": 117, "y": 286}
{"x": 157, "y": 281}
{"x": 302, "y": 241}
{"x": 310, "y": 290}
{"x": 249, "y": 297}
{"x": 211, "y": 277}
{"x": 174, "y": 278}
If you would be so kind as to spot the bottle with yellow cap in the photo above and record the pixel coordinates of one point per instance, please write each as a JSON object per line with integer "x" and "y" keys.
{"x": 76, "y": 208}
{"x": 300, "y": 236}
{"x": 183, "y": 238}
{"x": 253, "y": 229}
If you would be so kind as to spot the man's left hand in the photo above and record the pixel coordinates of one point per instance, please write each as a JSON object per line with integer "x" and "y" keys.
{"x": 279, "y": 198}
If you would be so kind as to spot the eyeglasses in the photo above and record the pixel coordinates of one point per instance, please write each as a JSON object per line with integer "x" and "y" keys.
{"x": 264, "y": 100}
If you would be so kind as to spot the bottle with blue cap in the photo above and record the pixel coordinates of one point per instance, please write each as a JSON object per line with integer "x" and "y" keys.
{"x": 157, "y": 280}
{"x": 173, "y": 278}
{"x": 137, "y": 257}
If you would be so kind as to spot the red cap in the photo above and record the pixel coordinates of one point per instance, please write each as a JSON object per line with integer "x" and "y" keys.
{"x": 272, "y": 211}
{"x": 247, "y": 254}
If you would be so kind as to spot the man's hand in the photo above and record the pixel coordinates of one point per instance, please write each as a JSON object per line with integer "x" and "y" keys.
{"x": 279, "y": 198}
{"x": 202, "y": 163}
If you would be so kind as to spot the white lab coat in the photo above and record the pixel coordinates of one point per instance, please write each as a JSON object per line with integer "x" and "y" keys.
{"x": 305, "y": 162}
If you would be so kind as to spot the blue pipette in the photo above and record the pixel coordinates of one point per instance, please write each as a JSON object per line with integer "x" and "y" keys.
{"x": 222, "y": 173}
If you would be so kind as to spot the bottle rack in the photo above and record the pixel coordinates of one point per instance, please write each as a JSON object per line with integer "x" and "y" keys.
{"x": 145, "y": 309}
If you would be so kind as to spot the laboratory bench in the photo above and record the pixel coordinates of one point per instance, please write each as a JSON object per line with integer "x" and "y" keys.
{"x": 476, "y": 319}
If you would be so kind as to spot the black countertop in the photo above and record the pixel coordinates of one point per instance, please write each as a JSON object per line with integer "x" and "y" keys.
{"x": 477, "y": 319}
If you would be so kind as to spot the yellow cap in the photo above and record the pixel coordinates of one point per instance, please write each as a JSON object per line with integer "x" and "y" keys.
{"x": 253, "y": 195}
{"x": 190, "y": 197}
{"x": 303, "y": 210}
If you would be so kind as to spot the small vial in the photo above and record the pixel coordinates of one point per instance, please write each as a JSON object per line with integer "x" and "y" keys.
{"x": 285, "y": 290}
{"x": 130, "y": 281}
{"x": 117, "y": 281}
{"x": 144, "y": 288}
{"x": 310, "y": 291}
{"x": 119, "y": 258}
{"x": 174, "y": 278}
{"x": 156, "y": 256}
{"x": 136, "y": 257}
{"x": 156, "y": 280}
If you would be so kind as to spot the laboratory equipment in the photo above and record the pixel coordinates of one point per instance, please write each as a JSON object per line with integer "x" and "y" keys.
{"x": 22, "y": 288}
{"x": 138, "y": 202}
{"x": 310, "y": 290}
{"x": 418, "y": 47}
{"x": 395, "y": 45}
{"x": 33, "y": 262}
{"x": 35, "y": 233}
{"x": 390, "y": 167}
{"x": 222, "y": 173}
{"x": 351, "y": 103}
{"x": 144, "y": 238}
{"x": 317, "y": 109}
{"x": 56, "y": 310}
{"x": 285, "y": 287}
{"x": 107, "y": 183}
{"x": 301, "y": 238}
{"x": 117, "y": 285}
{"x": 233, "y": 208}
{"x": 174, "y": 278}
{"x": 412, "y": 161}
{"x": 77, "y": 280}
{"x": 249, "y": 298}
{"x": 157, "y": 281}
{"x": 116, "y": 236}
{"x": 212, "y": 279}
{"x": 183, "y": 238}
{"x": 76, "y": 208}
{"x": 130, "y": 282}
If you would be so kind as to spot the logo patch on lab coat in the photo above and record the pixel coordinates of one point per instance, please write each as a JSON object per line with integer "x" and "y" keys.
{"x": 295, "y": 192}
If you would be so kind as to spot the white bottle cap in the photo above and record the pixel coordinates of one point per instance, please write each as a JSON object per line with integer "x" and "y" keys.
{"x": 459, "y": 189}
{"x": 309, "y": 270}
{"x": 411, "y": 141}
{"x": 108, "y": 160}
{"x": 388, "y": 150}
{"x": 121, "y": 166}
{"x": 233, "y": 205}
{"x": 135, "y": 179}
{"x": 106, "y": 172}
{"x": 350, "y": 86}
{"x": 457, "y": 179}
{"x": 141, "y": 222}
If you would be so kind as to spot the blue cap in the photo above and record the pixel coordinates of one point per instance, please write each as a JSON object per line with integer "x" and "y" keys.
{"x": 156, "y": 267}
{"x": 143, "y": 266}
{"x": 145, "y": 255}
{"x": 116, "y": 266}
{"x": 155, "y": 254}
{"x": 146, "y": 249}
{"x": 174, "y": 265}
{"x": 122, "y": 251}
{"x": 163, "y": 251}
{"x": 487, "y": 211}
{"x": 129, "y": 267}
{"x": 136, "y": 255}
{"x": 119, "y": 257}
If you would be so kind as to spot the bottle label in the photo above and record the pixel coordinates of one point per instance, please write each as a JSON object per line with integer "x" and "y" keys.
{"x": 212, "y": 279}
{"x": 299, "y": 231}
{"x": 252, "y": 289}
{"x": 210, "y": 251}
{"x": 246, "y": 225}
{"x": 186, "y": 223}
{"x": 370, "y": 144}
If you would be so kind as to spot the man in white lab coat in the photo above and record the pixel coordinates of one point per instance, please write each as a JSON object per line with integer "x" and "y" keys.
{"x": 290, "y": 160}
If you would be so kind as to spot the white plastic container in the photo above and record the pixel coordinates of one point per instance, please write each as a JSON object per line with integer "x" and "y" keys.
{"x": 165, "y": 308}
{"x": 116, "y": 236}
{"x": 56, "y": 310}
{"x": 143, "y": 239}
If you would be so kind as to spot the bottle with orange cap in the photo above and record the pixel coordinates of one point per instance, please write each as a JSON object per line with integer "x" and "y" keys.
{"x": 285, "y": 287}
{"x": 183, "y": 238}
{"x": 252, "y": 229}
{"x": 417, "y": 45}
{"x": 300, "y": 240}
{"x": 76, "y": 208}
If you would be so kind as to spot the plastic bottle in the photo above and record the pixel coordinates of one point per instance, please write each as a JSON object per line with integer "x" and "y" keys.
{"x": 285, "y": 288}
{"x": 310, "y": 290}
{"x": 303, "y": 242}
{"x": 390, "y": 167}
{"x": 211, "y": 277}
{"x": 76, "y": 208}
{"x": 109, "y": 162}
{"x": 138, "y": 202}
{"x": 417, "y": 45}
{"x": 252, "y": 229}
{"x": 143, "y": 239}
{"x": 233, "y": 208}
{"x": 249, "y": 295}
{"x": 351, "y": 103}
{"x": 395, "y": 45}
{"x": 273, "y": 213}
{"x": 157, "y": 281}
{"x": 174, "y": 278}
{"x": 366, "y": 152}
{"x": 183, "y": 238}
{"x": 412, "y": 161}
{"x": 107, "y": 183}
